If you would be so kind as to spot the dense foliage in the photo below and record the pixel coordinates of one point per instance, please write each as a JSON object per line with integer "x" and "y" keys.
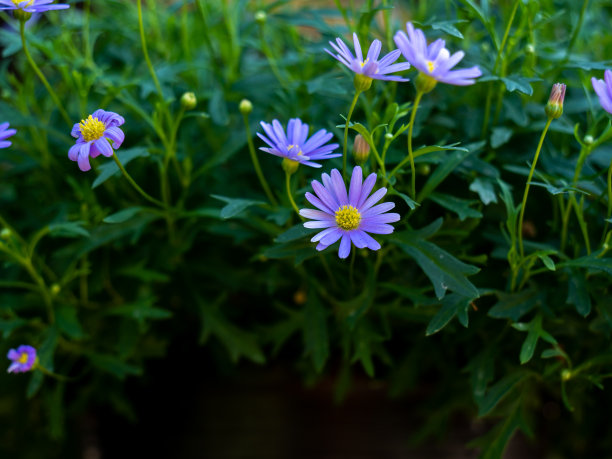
{"x": 100, "y": 274}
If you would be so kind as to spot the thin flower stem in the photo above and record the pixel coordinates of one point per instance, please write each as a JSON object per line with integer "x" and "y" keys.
{"x": 533, "y": 166}
{"x": 609, "y": 213}
{"x": 417, "y": 100}
{"x": 145, "y": 51}
{"x": 584, "y": 152}
{"x": 129, "y": 178}
{"x": 86, "y": 39}
{"x": 41, "y": 76}
{"x": 346, "y": 126}
{"x": 289, "y": 194}
{"x": 260, "y": 176}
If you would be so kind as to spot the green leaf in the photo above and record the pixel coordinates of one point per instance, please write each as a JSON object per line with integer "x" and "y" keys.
{"x": 555, "y": 190}
{"x": 500, "y": 136}
{"x": 514, "y": 305}
{"x": 218, "y": 108}
{"x": 485, "y": 190}
{"x": 68, "y": 322}
{"x": 235, "y": 206}
{"x": 68, "y": 229}
{"x": 295, "y": 232}
{"x": 578, "y": 293}
{"x": 9, "y": 326}
{"x": 548, "y": 262}
{"x": 109, "y": 168}
{"x": 448, "y": 27}
{"x": 442, "y": 171}
{"x": 591, "y": 262}
{"x": 500, "y": 390}
{"x": 316, "y": 340}
{"x": 444, "y": 271}
{"x": 518, "y": 83}
{"x": 452, "y": 305}
{"x": 411, "y": 203}
{"x": 460, "y": 206}
{"x": 123, "y": 215}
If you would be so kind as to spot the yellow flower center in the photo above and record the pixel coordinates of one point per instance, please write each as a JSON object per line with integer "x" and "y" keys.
{"x": 430, "y": 66}
{"x": 17, "y": 2}
{"x": 364, "y": 63}
{"x": 299, "y": 153}
{"x": 23, "y": 358}
{"x": 348, "y": 218}
{"x": 92, "y": 128}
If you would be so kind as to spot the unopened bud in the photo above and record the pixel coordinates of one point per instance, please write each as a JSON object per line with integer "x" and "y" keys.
{"x": 361, "y": 150}
{"x": 245, "y": 106}
{"x": 566, "y": 375}
{"x": 424, "y": 83}
{"x": 388, "y": 136}
{"x": 423, "y": 169}
{"x": 361, "y": 82}
{"x": 5, "y": 234}
{"x": 189, "y": 101}
{"x": 290, "y": 166}
{"x": 55, "y": 289}
{"x": 23, "y": 16}
{"x": 530, "y": 49}
{"x": 554, "y": 107}
{"x": 588, "y": 139}
{"x": 260, "y": 17}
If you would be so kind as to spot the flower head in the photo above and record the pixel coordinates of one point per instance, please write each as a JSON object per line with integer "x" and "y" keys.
{"x": 31, "y": 6}
{"x": 348, "y": 217}
{"x": 94, "y": 137}
{"x": 371, "y": 67}
{"x": 603, "y": 88}
{"x": 434, "y": 61}
{"x": 295, "y": 145}
{"x": 23, "y": 359}
{"x": 554, "y": 107}
{"x": 5, "y": 133}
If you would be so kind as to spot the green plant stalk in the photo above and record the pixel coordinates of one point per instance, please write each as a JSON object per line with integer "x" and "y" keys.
{"x": 129, "y": 178}
{"x": 256, "y": 165}
{"x": 86, "y": 39}
{"x": 417, "y": 100}
{"x": 584, "y": 152}
{"x": 525, "y": 194}
{"x": 41, "y": 76}
{"x": 289, "y": 194}
{"x": 346, "y": 126}
{"x": 145, "y": 51}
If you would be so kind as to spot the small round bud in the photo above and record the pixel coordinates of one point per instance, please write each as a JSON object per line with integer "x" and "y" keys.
{"x": 424, "y": 83}
{"x": 189, "y": 101}
{"x": 5, "y": 234}
{"x": 423, "y": 169}
{"x": 530, "y": 49}
{"x": 588, "y": 139}
{"x": 554, "y": 107}
{"x": 566, "y": 375}
{"x": 290, "y": 166}
{"x": 361, "y": 82}
{"x": 388, "y": 136}
{"x": 245, "y": 106}
{"x": 260, "y": 17}
{"x": 23, "y": 16}
{"x": 361, "y": 150}
{"x": 55, "y": 289}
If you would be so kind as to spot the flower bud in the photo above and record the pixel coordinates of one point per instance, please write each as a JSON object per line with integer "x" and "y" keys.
{"x": 362, "y": 83}
{"x": 424, "y": 83}
{"x": 290, "y": 166}
{"x": 554, "y": 107}
{"x": 260, "y": 17}
{"x": 529, "y": 49}
{"x": 423, "y": 169}
{"x": 588, "y": 139}
{"x": 23, "y": 16}
{"x": 5, "y": 234}
{"x": 245, "y": 106}
{"x": 188, "y": 101}
{"x": 55, "y": 289}
{"x": 361, "y": 150}
{"x": 388, "y": 136}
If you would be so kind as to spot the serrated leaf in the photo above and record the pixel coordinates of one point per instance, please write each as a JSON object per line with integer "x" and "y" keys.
{"x": 452, "y": 305}
{"x": 500, "y": 136}
{"x": 235, "y": 206}
{"x": 485, "y": 190}
{"x": 514, "y": 305}
{"x": 518, "y": 83}
{"x": 109, "y": 168}
{"x": 460, "y": 206}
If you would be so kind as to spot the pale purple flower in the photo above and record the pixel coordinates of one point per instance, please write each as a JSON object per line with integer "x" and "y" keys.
{"x": 603, "y": 88}
{"x": 94, "y": 137}
{"x": 348, "y": 217}
{"x": 5, "y": 133}
{"x": 295, "y": 145}
{"x": 31, "y": 6}
{"x": 24, "y": 358}
{"x": 434, "y": 60}
{"x": 371, "y": 66}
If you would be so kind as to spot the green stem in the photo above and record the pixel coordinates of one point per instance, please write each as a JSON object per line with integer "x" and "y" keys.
{"x": 42, "y": 78}
{"x": 129, "y": 178}
{"x": 533, "y": 166}
{"x": 145, "y": 51}
{"x": 417, "y": 100}
{"x": 262, "y": 178}
{"x": 584, "y": 152}
{"x": 346, "y": 126}
{"x": 289, "y": 194}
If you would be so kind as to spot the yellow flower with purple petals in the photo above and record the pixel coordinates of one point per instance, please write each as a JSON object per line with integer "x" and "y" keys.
{"x": 23, "y": 358}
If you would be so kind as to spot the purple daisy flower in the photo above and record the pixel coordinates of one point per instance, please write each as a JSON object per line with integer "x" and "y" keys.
{"x": 6, "y": 133}
{"x": 94, "y": 137}
{"x": 295, "y": 145}
{"x": 351, "y": 216}
{"x": 24, "y": 358}
{"x": 603, "y": 88}
{"x": 370, "y": 67}
{"x": 434, "y": 60}
{"x": 31, "y": 6}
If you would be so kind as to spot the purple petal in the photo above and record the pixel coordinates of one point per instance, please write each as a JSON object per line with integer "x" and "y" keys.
{"x": 376, "y": 228}
{"x": 324, "y": 195}
{"x": 379, "y": 209}
{"x": 319, "y": 224}
{"x": 317, "y": 237}
{"x": 332, "y": 236}
{"x": 339, "y": 187}
{"x": 317, "y": 203}
{"x": 316, "y": 214}
{"x": 355, "y": 187}
{"x": 366, "y": 189}
{"x": 383, "y": 218}
{"x": 345, "y": 245}
{"x": 367, "y": 240}
{"x": 358, "y": 54}
{"x": 374, "y": 51}
{"x": 377, "y": 196}
{"x": 116, "y": 135}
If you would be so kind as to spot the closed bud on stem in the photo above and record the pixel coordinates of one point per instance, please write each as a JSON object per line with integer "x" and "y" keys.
{"x": 530, "y": 49}
{"x": 423, "y": 169}
{"x": 424, "y": 83}
{"x": 588, "y": 139}
{"x": 260, "y": 17}
{"x": 362, "y": 83}
{"x": 55, "y": 289}
{"x": 188, "y": 101}
{"x": 245, "y": 106}
{"x": 361, "y": 150}
{"x": 554, "y": 107}
{"x": 290, "y": 166}
{"x": 23, "y": 16}
{"x": 5, "y": 234}
{"x": 388, "y": 136}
